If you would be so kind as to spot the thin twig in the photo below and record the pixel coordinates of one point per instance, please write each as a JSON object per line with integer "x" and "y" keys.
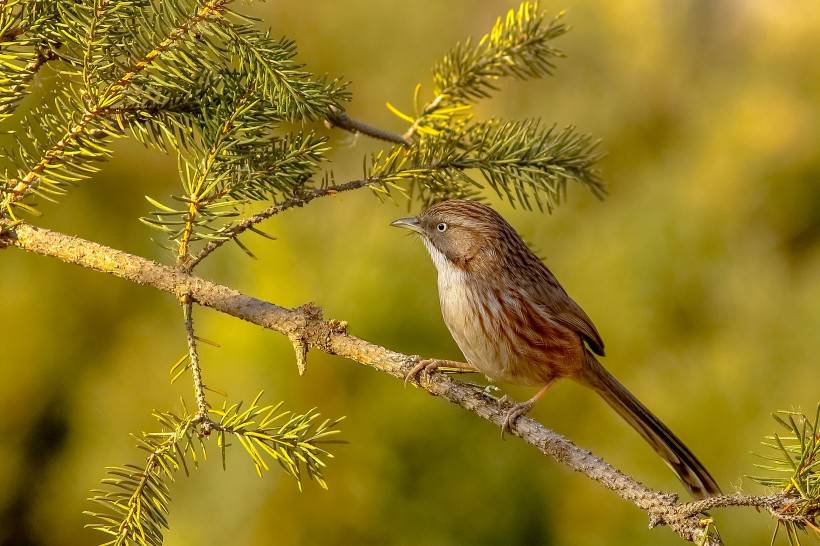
{"x": 306, "y": 323}
{"x": 777, "y": 505}
{"x": 297, "y": 201}
{"x": 193, "y": 357}
{"x": 339, "y": 118}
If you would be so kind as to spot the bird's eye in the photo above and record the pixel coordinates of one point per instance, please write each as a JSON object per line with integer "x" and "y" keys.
{"x": 442, "y": 227}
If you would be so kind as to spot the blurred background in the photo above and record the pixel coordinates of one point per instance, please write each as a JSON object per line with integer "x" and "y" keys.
{"x": 701, "y": 270}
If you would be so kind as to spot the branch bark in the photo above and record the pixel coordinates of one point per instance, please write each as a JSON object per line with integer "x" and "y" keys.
{"x": 193, "y": 357}
{"x": 339, "y": 118}
{"x": 306, "y": 325}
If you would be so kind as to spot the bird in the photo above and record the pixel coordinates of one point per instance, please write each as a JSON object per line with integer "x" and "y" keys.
{"x": 515, "y": 323}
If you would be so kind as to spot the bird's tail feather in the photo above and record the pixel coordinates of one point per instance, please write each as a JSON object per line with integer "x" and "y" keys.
{"x": 689, "y": 470}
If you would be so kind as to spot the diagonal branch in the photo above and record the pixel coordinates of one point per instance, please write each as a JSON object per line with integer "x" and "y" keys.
{"x": 339, "y": 118}
{"x": 306, "y": 324}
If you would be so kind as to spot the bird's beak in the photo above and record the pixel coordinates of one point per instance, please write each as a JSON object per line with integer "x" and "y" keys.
{"x": 411, "y": 223}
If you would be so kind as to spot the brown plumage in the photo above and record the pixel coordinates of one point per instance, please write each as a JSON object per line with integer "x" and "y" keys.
{"x": 514, "y": 322}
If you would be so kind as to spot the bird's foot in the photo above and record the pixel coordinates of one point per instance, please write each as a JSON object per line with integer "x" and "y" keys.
{"x": 426, "y": 365}
{"x": 514, "y": 413}
{"x": 492, "y": 391}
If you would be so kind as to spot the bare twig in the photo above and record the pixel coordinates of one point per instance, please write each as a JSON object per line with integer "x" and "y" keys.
{"x": 193, "y": 357}
{"x": 298, "y": 200}
{"x": 306, "y": 324}
{"x": 779, "y": 506}
{"x": 339, "y": 118}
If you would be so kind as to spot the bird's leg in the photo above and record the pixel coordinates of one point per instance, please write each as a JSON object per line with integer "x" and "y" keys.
{"x": 522, "y": 409}
{"x": 429, "y": 365}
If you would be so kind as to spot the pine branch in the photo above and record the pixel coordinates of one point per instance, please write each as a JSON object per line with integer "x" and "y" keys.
{"x": 781, "y": 506}
{"x": 181, "y": 40}
{"x": 16, "y": 83}
{"x": 306, "y": 324}
{"x": 209, "y": 11}
{"x": 296, "y": 94}
{"x": 521, "y": 161}
{"x": 519, "y": 46}
{"x": 294, "y": 442}
{"x": 241, "y": 166}
{"x": 25, "y": 47}
{"x": 94, "y": 31}
{"x": 84, "y": 140}
{"x": 795, "y": 468}
{"x": 199, "y": 195}
{"x": 135, "y": 498}
{"x": 81, "y": 145}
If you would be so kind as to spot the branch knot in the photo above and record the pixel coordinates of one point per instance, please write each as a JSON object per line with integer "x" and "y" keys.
{"x": 306, "y": 315}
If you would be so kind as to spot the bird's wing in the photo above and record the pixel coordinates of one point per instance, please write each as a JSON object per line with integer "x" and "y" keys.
{"x": 572, "y": 316}
{"x": 563, "y": 308}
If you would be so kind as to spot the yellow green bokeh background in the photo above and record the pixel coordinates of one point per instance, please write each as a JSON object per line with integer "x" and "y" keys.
{"x": 701, "y": 270}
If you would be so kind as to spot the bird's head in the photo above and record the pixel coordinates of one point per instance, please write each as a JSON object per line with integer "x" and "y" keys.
{"x": 459, "y": 232}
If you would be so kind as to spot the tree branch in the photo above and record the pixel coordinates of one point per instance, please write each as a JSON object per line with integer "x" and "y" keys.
{"x": 780, "y": 506}
{"x": 307, "y": 325}
{"x": 101, "y": 109}
{"x": 339, "y": 118}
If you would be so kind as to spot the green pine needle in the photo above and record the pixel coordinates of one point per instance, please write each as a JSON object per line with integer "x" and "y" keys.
{"x": 270, "y": 435}
{"x": 134, "y": 499}
{"x": 794, "y": 461}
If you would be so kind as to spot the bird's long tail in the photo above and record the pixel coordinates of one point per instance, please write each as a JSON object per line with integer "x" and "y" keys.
{"x": 690, "y": 471}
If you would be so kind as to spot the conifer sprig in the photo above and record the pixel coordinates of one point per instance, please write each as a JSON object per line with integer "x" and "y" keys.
{"x": 135, "y": 498}
{"x": 518, "y": 46}
{"x": 525, "y": 163}
{"x": 78, "y": 127}
{"x": 24, "y": 27}
{"x": 140, "y": 66}
{"x": 294, "y": 442}
{"x": 296, "y": 94}
{"x": 235, "y": 161}
{"x": 795, "y": 467}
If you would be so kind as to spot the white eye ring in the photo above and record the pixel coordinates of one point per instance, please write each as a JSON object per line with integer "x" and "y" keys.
{"x": 442, "y": 227}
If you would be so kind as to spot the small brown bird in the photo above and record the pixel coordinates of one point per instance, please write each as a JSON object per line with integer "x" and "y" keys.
{"x": 514, "y": 322}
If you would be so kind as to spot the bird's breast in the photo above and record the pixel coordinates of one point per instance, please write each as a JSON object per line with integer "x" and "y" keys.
{"x": 501, "y": 333}
{"x": 474, "y": 317}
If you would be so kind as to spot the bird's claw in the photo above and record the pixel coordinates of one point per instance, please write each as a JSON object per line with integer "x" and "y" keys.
{"x": 514, "y": 413}
{"x": 426, "y": 365}
{"x": 490, "y": 390}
